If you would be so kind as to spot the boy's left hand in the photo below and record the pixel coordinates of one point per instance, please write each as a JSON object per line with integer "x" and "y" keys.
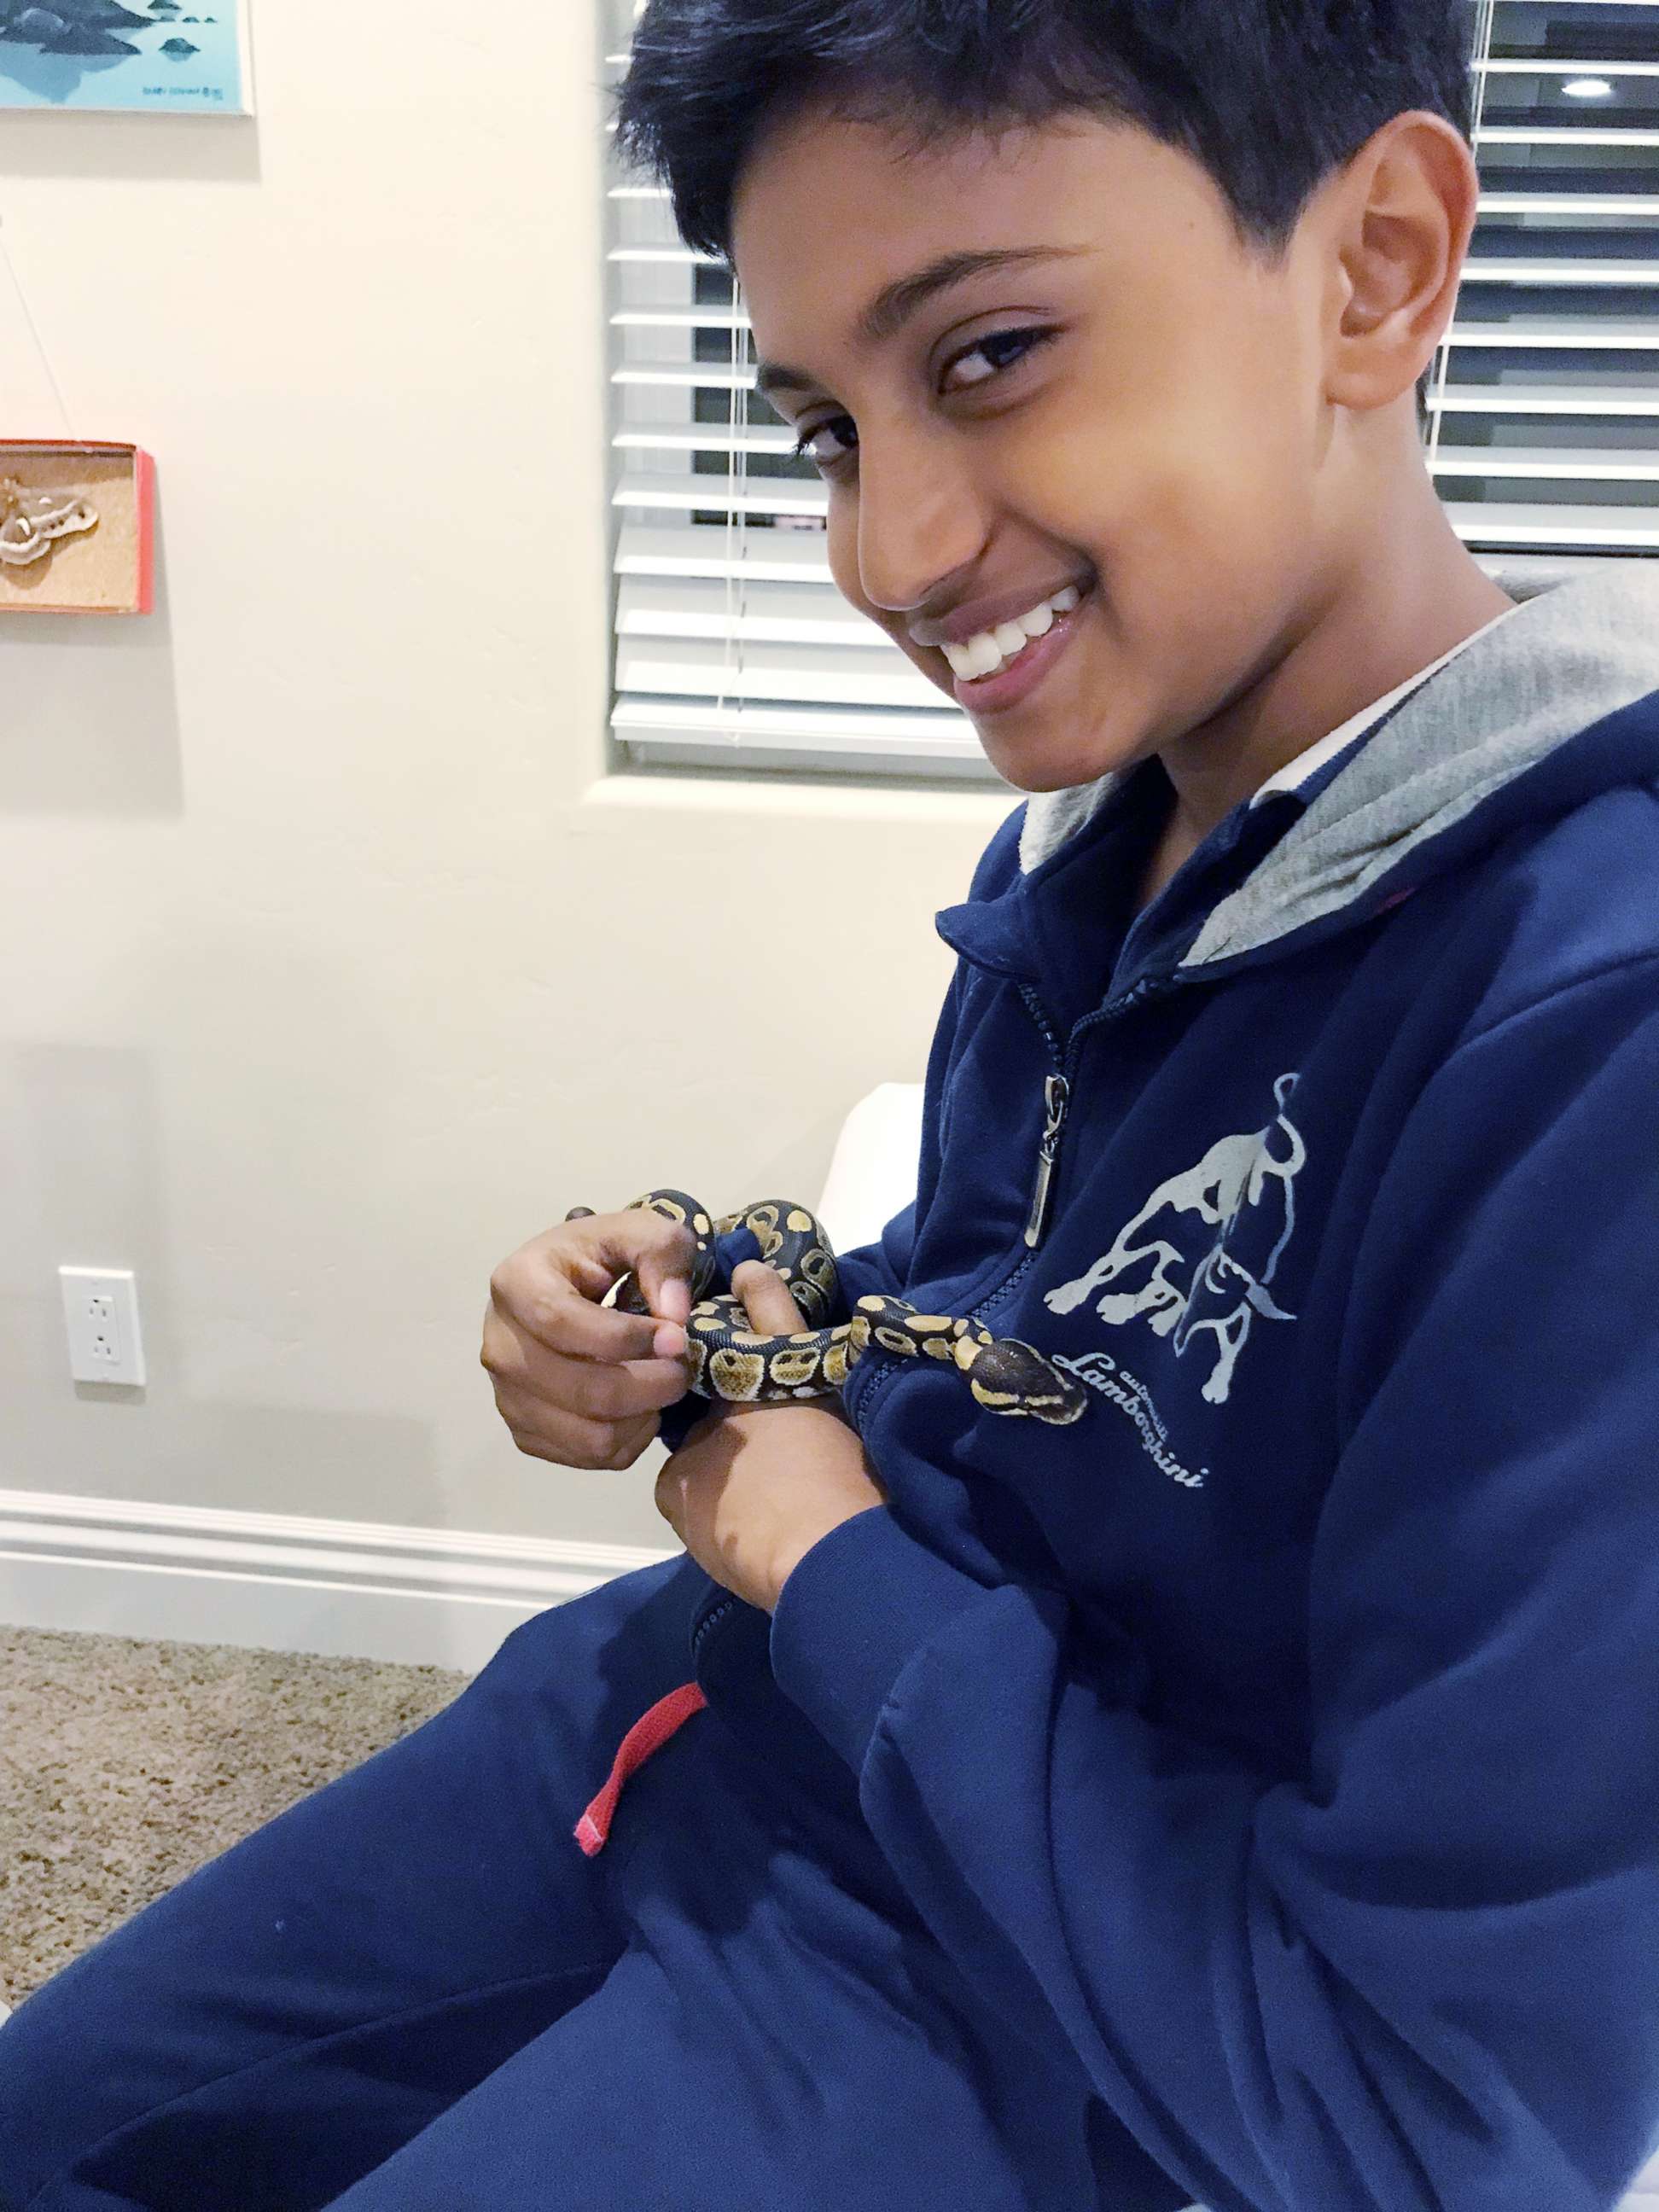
{"x": 753, "y": 1487}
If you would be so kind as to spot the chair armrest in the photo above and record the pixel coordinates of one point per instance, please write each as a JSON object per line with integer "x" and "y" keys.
{"x": 872, "y": 1171}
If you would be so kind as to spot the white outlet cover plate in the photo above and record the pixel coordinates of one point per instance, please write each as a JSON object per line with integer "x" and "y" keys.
{"x": 103, "y": 1350}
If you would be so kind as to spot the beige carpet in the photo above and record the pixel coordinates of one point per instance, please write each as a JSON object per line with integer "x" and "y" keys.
{"x": 124, "y": 1765}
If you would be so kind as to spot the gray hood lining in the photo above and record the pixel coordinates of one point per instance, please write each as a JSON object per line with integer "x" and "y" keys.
{"x": 1573, "y": 653}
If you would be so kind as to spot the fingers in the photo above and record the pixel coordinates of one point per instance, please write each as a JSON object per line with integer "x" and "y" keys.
{"x": 551, "y": 1288}
{"x": 583, "y": 1384}
{"x": 575, "y": 1413}
{"x": 576, "y": 1383}
{"x": 558, "y": 1318}
{"x": 592, "y": 1389}
{"x": 766, "y": 1299}
{"x": 665, "y": 1280}
{"x": 596, "y": 1447}
{"x": 661, "y": 1252}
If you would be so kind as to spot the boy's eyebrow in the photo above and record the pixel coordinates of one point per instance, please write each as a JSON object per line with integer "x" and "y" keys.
{"x": 895, "y": 304}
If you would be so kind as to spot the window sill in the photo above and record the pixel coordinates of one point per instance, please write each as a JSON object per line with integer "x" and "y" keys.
{"x": 795, "y": 800}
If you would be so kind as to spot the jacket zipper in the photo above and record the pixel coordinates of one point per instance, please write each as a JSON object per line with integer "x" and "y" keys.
{"x": 1057, "y": 1094}
{"x": 1057, "y": 1091}
{"x": 1056, "y": 1101}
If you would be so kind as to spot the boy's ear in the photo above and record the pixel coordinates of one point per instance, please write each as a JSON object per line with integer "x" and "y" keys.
{"x": 1404, "y": 217}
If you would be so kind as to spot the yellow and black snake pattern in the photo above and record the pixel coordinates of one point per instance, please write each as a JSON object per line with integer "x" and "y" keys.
{"x": 737, "y": 1364}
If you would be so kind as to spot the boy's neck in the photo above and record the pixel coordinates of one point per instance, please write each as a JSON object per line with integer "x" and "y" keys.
{"x": 1397, "y": 615}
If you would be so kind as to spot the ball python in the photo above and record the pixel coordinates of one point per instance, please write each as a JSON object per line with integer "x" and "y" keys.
{"x": 737, "y": 1364}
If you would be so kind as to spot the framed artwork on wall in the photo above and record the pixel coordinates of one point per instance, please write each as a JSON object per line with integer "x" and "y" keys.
{"x": 163, "y": 57}
{"x": 78, "y": 528}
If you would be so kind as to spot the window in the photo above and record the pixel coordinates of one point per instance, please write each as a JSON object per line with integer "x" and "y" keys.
{"x": 734, "y": 649}
{"x": 1544, "y": 438}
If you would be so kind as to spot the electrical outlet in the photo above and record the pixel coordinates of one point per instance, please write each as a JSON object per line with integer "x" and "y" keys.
{"x": 100, "y": 1313}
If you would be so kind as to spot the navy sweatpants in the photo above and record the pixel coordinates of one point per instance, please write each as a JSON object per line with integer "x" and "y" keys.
{"x": 418, "y": 1988}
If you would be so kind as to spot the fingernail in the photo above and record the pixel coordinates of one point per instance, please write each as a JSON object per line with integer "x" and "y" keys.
{"x": 669, "y": 1341}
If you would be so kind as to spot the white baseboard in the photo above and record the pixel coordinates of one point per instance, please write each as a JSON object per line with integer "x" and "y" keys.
{"x": 281, "y": 1582}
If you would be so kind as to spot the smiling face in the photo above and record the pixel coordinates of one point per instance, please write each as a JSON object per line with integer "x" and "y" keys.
{"x": 1137, "y": 407}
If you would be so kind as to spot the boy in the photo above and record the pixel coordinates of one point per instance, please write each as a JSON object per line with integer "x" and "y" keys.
{"x": 1247, "y": 1792}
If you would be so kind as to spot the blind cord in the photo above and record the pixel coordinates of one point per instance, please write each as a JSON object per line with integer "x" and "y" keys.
{"x": 737, "y": 481}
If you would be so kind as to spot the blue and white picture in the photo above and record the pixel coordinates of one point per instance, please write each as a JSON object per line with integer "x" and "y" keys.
{"x": 174, "y": 57}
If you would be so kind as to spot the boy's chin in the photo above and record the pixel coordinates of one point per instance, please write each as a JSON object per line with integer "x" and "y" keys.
{"x": 1033, "y": 768}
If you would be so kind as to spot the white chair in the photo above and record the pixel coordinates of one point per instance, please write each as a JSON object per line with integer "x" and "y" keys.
{"x": 872, "y": 1170}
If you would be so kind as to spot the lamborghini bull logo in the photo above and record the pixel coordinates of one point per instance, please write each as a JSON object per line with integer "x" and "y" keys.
{"x": 1242, "y": 1189}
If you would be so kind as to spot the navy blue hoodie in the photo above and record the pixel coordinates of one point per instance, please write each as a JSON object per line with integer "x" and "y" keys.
{"x": 1279, "y": 1742}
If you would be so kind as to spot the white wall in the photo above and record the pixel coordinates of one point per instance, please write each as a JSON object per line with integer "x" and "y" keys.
{"x": 331, "y": 967}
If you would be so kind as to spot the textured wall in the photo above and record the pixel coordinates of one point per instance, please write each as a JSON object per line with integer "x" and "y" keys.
{"x": 330, "y": 969}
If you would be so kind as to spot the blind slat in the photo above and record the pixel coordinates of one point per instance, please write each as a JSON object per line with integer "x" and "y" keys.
{"x": 1548, "y": 400}
{"x": 1579, "y": 333}
{"x": 1590, "y": 467}
{"x": 1610, "y": 529}
{"x": 793, "y": 613}
{"x": 1569, "y": 271}
{"x": 772, "y": 673}
{"x": 709, "y": 549}
{"x": 753, "y": 496}
{"x": 712, "y": 438}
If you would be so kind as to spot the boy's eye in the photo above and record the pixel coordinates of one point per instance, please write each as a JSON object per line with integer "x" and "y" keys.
{"x": 1024, "y": 342}
{"x": 802, "y": 448}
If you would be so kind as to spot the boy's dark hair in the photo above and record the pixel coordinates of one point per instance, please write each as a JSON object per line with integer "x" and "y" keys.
{"x": 1272, "y": 96}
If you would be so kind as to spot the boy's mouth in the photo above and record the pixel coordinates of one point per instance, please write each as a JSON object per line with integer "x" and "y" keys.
{"x": 1017, "y": 678}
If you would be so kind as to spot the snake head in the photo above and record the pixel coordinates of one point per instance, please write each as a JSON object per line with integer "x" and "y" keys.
{"x": 1007, "y": 1376}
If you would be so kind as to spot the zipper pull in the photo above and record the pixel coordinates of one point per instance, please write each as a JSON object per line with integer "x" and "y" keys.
{"x": 1056, "y": 1095}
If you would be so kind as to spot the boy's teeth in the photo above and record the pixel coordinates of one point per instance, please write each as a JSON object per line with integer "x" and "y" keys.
{"x": 981, "y": 655}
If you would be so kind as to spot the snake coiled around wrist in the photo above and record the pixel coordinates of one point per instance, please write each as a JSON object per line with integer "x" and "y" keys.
{"x": 732, "y": 1363}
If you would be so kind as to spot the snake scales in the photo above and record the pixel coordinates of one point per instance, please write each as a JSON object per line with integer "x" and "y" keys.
{"x": 734, "y": 1364}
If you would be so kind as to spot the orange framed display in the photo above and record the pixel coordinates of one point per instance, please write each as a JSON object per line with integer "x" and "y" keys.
{"x": 78, "y": 528}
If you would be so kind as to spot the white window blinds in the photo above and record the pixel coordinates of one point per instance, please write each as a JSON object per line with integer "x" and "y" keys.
{"x": 1544, "y": 438}
{"x": 734, "y": 649}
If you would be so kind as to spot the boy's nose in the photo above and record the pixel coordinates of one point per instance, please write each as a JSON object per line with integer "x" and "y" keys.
{"x": 921, "y": 528}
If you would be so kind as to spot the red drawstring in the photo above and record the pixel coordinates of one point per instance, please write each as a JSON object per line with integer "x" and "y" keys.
{"x": 648, "y": 1734}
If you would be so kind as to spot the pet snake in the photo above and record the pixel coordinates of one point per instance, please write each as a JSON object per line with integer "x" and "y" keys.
{"x": 734, "y": 1364}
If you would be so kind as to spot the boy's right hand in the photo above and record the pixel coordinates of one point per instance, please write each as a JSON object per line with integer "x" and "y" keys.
{"x": 578, "y": 1382}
